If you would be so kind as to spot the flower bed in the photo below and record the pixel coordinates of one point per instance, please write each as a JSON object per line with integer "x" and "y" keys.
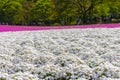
{"x": 4, "y": 28}
{"x": 69, "y": 54}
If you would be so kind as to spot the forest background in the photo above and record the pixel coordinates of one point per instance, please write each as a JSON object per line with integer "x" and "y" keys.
{"x": 59, "y": 12}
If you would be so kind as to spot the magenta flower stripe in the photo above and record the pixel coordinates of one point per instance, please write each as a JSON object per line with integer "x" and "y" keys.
{"x": 6, "y": 28}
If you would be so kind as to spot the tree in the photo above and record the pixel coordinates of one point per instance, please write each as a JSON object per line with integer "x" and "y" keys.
{"x": 41, "y": 11}
{"x": 8, "y": 10}
{"x": 63, "y": 11}
{"x": 85, "y": 8}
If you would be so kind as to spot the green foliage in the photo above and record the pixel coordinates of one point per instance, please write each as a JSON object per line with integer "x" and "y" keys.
{"x": 2, "y": 79}
{"x": 25, "y": 12}
{"x": 8, "y": 10}
{"x": 102, "y": 9}
{"x": 41, "y": 10}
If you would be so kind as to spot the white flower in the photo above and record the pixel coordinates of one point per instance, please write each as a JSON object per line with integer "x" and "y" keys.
{"x": 74, "y": 54}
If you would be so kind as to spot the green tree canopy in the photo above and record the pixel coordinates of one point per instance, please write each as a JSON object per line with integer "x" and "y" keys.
{"x": 25, "y": 12}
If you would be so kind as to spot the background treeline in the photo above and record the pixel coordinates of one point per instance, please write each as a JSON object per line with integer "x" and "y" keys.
{"x": 59, "y": 12}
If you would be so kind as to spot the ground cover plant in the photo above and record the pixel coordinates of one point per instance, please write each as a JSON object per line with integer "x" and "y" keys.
{"x": 60, "y": 54}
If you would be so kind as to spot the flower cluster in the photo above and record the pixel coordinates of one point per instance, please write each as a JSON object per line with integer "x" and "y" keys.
{"x": 72, "y": 54}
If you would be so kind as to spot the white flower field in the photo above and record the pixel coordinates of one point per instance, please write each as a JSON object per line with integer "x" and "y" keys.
{"x": 66, "y": 54}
